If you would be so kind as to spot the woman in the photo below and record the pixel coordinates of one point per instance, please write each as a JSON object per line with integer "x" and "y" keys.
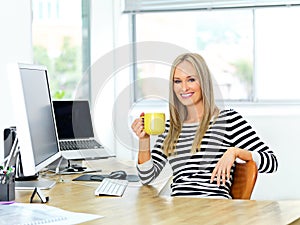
{"x": 201, "y": 142}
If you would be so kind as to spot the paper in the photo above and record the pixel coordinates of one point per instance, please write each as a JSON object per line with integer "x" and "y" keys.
{"x": 30, "y": 214}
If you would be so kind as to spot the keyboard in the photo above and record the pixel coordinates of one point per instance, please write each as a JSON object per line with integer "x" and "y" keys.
{"x": 79, "y": 144}
{"x": 111, "y": 187}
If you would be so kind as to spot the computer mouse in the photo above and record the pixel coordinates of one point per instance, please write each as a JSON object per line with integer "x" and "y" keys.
{"x": 120, "y": 174}
{"x": 97, "y": 177}
{"x": 70, "y": 170}
{"x": 74, "y": 169}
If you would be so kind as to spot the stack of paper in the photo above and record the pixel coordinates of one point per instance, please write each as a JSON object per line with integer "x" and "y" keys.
{"x": 30, "y": 214}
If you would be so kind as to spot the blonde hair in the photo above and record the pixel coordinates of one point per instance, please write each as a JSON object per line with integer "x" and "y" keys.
{"x": 178, "y": 112}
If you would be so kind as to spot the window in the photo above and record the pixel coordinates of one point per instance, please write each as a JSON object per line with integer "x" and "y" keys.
{"x": 57, "y": 43}
{"x": 252, "y": 52}
{"x": 223, "y": 40}
{"x": 277, "y": 53}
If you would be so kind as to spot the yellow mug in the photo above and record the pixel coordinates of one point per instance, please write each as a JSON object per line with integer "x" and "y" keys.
{"x": 154, "y": 123}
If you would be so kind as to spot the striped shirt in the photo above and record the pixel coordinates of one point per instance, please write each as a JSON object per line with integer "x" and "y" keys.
{"x": 192, "y": 172}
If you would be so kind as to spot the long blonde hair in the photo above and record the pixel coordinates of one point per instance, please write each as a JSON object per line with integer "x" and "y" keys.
{"x": 178, "y": 112}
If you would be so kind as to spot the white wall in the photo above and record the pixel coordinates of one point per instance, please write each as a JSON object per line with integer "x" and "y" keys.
{"x": 102, "y": 42}
{"x": 15, "y": 45}
{"x": 279, "y": 127}
{"x": 109, "y": 72}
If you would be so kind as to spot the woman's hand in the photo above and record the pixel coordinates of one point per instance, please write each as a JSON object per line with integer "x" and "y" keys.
{"x": 223, "y": 167}
{"x": 138, "y": 128}
{"x": 144, "y": 139}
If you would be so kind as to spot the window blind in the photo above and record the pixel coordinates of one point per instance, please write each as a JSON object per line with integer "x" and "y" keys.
{"x": 141, "y": 6}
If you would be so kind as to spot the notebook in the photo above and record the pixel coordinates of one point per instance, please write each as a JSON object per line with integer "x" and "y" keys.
{"x": 75, "y": 130}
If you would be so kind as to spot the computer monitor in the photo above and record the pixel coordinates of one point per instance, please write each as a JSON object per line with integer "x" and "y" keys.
{"x": 34, "y": 117}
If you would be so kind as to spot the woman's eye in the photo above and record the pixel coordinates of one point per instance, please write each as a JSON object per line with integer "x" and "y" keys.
{"x": 176, "y": 81}
{"x": 192, "y": 80}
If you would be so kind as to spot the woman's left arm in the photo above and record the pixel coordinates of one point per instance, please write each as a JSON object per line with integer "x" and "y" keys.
{"x": 246, "y": 146}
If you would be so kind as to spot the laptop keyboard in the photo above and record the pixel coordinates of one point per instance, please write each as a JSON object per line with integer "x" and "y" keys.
{"x": 79, "y": 144}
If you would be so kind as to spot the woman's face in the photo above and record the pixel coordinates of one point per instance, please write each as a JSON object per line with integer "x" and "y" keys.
{"x": 186, "y": 84}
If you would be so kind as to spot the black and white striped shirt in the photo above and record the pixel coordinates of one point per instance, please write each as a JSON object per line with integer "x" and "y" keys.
{"x": 192, "y": 172}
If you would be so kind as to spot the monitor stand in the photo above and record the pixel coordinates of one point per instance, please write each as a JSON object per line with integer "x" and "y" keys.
{"x": 64, "y": 167}
{"x": 32, "y": 182}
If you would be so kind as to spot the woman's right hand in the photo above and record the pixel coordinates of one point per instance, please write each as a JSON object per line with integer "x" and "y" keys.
{"x": 138, "y": 127}
{"x": 144, "y": 139}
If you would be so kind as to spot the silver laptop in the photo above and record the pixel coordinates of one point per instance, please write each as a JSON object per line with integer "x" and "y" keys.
{"x": 75, "y": 130}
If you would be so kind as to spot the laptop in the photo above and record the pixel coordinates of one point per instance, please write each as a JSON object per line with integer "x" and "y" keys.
{"x": 75, "y": 131}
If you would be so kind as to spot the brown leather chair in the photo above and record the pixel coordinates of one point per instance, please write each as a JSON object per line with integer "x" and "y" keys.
{"x": 244, "y": 178}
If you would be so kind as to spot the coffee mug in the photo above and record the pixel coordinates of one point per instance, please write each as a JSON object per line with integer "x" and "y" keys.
{"x": 154, "y": 123}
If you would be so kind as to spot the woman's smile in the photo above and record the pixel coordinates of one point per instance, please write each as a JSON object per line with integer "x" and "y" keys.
{"x": 187, "y": 95}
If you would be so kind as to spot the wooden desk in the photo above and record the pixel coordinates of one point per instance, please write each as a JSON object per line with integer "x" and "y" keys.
{"x": 141, "y": 205}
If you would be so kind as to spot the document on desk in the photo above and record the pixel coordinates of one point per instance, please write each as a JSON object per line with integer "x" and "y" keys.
{"x": 30, "y": 214}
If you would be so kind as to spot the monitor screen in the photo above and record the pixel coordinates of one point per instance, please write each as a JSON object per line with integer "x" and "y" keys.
{"x": 34, "y": 117}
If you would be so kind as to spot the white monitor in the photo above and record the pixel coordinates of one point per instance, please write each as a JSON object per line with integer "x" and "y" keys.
{"x": 34, "y": 117}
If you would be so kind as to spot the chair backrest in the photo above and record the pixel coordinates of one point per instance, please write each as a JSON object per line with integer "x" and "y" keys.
{"x": 244, "y": 178}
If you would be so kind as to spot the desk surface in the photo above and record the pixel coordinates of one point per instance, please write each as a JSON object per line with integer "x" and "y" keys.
{"x": 141, "y": 205}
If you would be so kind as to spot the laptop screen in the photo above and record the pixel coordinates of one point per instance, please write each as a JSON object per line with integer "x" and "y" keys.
{"x": 73, "y": 119}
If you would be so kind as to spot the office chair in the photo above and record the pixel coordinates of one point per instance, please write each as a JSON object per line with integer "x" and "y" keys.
{"x": 244, "y": 178}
